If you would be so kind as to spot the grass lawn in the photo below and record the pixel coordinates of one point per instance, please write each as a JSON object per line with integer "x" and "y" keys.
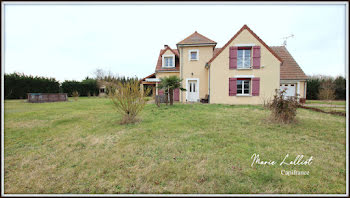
{"x": 337, "y": 109}
{"x": 79, "y": 147}
{"x": 333, "y": 102}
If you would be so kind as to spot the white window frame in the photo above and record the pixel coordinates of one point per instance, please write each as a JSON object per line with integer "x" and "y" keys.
{"x": 250, "y": 88}
{"x": 190, "y": 57}
{"x": 163, "y": 62}
{"x": 243, "y": 60}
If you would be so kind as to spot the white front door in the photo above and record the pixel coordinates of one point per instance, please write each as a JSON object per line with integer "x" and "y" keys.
{"x": 192, "y": 90}
{"x": 290, "y": 89}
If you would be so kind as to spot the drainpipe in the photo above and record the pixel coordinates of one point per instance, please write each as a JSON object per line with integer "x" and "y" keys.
{"x": 208, "y": 66}
{"x": 181, "y": 65}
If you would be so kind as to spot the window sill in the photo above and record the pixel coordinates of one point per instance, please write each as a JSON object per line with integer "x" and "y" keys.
{"x": 168, "y": 67}
{"x": 194, "y": 59}
{"x": 243, "y": 95}
{"x": 250, "y": 68}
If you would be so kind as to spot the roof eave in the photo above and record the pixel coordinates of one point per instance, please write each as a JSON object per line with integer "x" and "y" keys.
{"x": 196, "y": 44}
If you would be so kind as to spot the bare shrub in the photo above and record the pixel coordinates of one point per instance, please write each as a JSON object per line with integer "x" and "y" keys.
{"x": 283, "y": 108}
{"x": 128, "y": 99}
{"x": 75, "y": 94}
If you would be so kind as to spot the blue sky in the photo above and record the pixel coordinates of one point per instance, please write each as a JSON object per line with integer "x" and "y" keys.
{"x": 69, "y": 42}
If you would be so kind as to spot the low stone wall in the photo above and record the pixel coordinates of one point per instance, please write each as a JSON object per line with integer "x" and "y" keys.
{"x": 47, "y": 97}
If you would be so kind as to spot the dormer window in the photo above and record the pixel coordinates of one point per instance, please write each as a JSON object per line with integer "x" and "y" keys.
{"x": 168, "y": 61}
{"x": 244, "y": 58}
{"x": 193, "y": 55}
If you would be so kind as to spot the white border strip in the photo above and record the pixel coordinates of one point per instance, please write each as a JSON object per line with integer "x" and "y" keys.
{"x": 2, "y": 97}
{"x": 347, "y": 92}
{"x": 173, "y": 3}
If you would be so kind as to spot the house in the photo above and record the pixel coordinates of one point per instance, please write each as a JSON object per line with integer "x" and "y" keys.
{"x": 244, "y": 71}
{"x": 102, "y": 90}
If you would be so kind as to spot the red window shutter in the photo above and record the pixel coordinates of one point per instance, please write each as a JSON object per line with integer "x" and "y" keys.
{"x": 232, "y": 87}
{"x": 256, "y": 86}
{"x": 176, "y": 94}
{"x": 256, "y": 57}
{"x": 233, "y": 57}
{"x": 160, "y": 92}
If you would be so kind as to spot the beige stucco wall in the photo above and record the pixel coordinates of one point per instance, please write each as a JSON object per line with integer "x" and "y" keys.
{"x": 220, "y": 74}
{"x": 197, "y": 67}
{"x": 168, "y": 52}
{"x": 302, "y": 89}
{"x": 166, "y": 74}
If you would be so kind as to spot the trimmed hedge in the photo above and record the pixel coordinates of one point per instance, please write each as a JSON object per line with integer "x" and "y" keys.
{"x": 17, "y": 85}
{"x": 314, "y": 83}
{"x": 312, "y": 88}
{"x": 84, "y": 88}
{"x": 340, "y": 88}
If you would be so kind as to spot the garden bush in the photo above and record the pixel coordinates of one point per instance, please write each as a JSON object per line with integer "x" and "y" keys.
{"x": 76, "y": 95}
{"x": 128, "y": 100}
{"x": 283, "y": 108}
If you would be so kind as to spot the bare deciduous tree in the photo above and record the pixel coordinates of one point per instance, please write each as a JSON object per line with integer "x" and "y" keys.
{"x": 327, "y": 91}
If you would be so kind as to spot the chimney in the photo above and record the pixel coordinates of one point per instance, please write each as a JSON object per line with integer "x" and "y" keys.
{"x": 165, "y": 46}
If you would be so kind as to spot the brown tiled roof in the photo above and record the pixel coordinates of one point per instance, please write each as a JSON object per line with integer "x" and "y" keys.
{"x": 196, "y": 38}
{"x": 149, "y": 76}
{"x": 289, "y": 68}
{"x": 256, "y": 36}
{"x": 159, "y": 63}
{"x": 216, "y": 50}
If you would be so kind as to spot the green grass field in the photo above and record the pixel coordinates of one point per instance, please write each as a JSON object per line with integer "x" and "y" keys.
{"x": 337, "y": 109}
{"x": 79, "y": 147}
{"x": 328, "y": 105}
